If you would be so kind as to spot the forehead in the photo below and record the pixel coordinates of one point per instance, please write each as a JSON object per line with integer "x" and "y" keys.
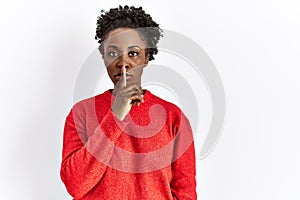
{"x": 123, "y": 38}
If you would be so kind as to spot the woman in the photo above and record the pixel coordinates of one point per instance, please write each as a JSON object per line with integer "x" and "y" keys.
{"x": 128, "y": 143}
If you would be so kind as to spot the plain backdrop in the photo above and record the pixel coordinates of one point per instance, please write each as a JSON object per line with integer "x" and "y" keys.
{"x": 253, "y": 44}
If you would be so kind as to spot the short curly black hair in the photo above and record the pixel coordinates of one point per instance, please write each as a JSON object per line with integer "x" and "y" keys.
{"x": 129, "y": 17}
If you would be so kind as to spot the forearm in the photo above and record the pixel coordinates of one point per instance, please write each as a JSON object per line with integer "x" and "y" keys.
{"x": 85, "y": 162}
{"x": 183, "y": 184}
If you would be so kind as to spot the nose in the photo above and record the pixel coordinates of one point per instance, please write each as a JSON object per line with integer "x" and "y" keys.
{"x": 121, "y": 65}
{"x": 123, "y": 61}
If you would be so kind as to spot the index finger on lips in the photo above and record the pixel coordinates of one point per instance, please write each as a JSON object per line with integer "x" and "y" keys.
{"x": 123, "y": 76}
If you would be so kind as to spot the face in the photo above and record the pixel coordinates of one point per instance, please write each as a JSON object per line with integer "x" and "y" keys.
{"x": 125, "y": 47}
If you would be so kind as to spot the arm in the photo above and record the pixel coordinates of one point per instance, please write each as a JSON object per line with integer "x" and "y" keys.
{"x": 81, "y": 168}
{"x": 183, "y": 185}
{"x": 85, "y": 160}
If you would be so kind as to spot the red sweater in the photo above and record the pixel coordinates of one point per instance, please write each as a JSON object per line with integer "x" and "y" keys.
{"x": 149, "y": 155}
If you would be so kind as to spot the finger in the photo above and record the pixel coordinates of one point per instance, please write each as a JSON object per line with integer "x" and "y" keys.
{"x": 135, "y": 102}
{"x": 136, "y": 93}
{"x": 124, "y": 76}
{"x": 129, "y": 90}
{"x": 136, "y": 98}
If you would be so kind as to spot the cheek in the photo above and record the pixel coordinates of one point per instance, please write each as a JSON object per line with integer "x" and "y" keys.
{"x": 110, "y": 63}
{"x": 138, "y": 71}
{"x": 107, "y": 62}
{"x": 110, "y": 70}
{"x": 138, "y": 60}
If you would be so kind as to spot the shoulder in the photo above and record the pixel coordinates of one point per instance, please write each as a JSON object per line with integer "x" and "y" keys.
{"x": 173, "y": 111}
{"x": 167, "y": 104}
{"x": 175, "y": 116}
{"x": 85, "y": 105}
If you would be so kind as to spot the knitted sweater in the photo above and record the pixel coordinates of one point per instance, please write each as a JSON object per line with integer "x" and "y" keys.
{"x": 149, "y": 155}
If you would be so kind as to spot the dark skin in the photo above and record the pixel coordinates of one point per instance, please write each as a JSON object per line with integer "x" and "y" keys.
{"x": 125, "y": 47}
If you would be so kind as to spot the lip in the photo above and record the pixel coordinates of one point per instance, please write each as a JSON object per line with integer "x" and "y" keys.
{"x": 128, "y": 76}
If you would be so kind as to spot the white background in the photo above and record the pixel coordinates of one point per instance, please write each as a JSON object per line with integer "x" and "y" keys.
{"x": 254, "y": 45}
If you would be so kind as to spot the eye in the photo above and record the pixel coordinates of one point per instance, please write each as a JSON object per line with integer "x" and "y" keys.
{"x": 113, "y": 54}
{"x": 133, "y": 53}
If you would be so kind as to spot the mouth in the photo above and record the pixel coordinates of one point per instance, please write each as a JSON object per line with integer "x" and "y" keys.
{"x": 119, "y": 75}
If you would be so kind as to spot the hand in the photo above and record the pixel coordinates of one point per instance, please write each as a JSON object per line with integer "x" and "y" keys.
{"x": 126, "y": 97}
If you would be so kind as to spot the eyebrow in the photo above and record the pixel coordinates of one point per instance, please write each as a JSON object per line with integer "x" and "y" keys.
{"x": 130, "y": 47}
{"x": 112, "y": 46}
{"x": 134, "y": 46}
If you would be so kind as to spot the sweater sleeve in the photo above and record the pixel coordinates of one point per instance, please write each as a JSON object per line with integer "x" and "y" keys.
{"x": 84, "y": 160}
{"x": 183, "y": 184}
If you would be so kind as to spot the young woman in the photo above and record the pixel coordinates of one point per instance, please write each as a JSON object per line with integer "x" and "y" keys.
{"x": 128, "y": 143}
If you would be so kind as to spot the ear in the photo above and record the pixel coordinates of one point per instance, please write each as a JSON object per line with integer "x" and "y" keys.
{"x": 147, "y": 57}
{"x": 101, "y": 51}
